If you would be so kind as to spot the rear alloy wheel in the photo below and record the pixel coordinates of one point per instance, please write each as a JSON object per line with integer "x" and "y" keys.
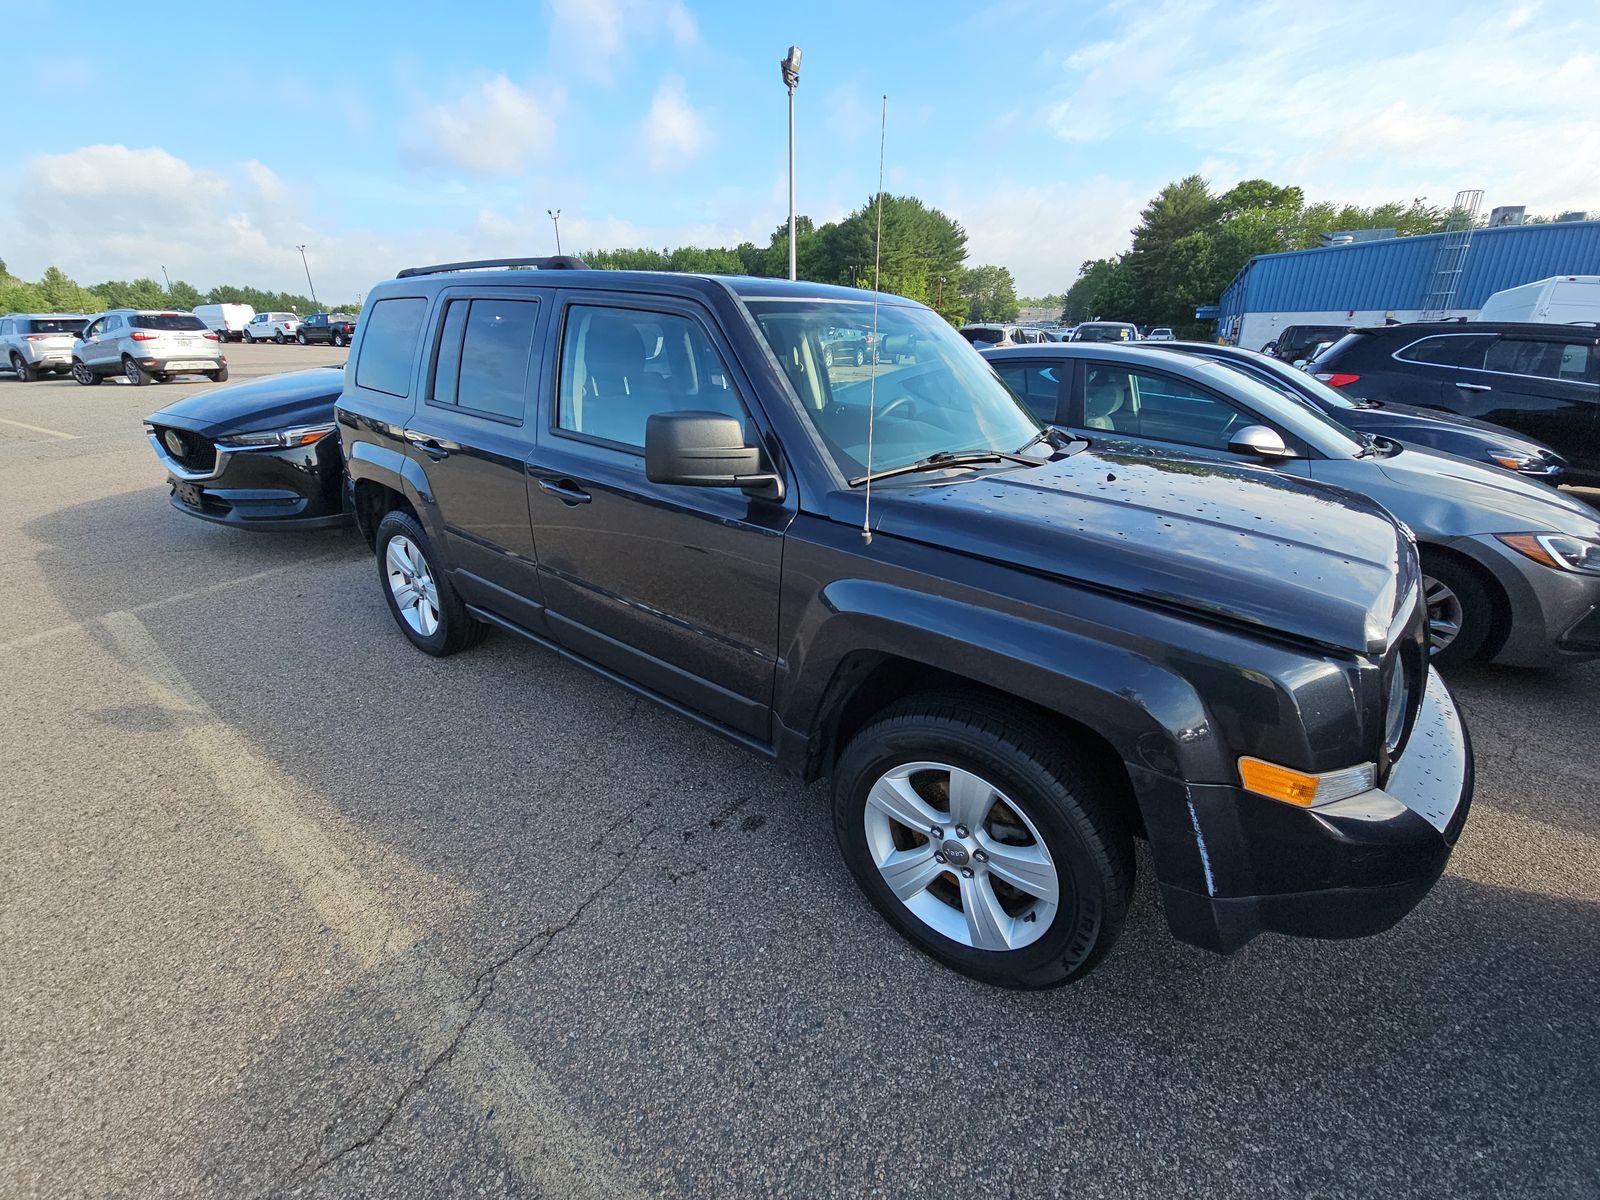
{"x": 220, "y": 375}
{"x": 338, "y": 339}
{"x": 279, "y": 338}
{"x": 1459, "y": 611}
{"x": 422, "y": 600}
{"x": 83, "y": 375}
{"x": 858, "y": 358}
{"x": 134, "y": 373}
{"x": 984, "y": 839}
{"x": 26, "y": 372}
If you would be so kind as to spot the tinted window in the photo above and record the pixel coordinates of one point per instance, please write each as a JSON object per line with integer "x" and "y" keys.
{"x": 619, "y": 365}
{"x": 1035, "y": 385}
{"x": 1448, "y": 350}
{"x": 1546, "y": 359}
{"x": 1141, "y": 404}
{"x": 388, "y": 343}
{"x": 482, "y": 362}
{"x": 986, "y": 337}
{"x": 168, "y": 322}
{"x": 56, "y": 325}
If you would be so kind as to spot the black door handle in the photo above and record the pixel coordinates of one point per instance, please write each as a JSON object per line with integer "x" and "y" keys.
{"x": 565, "y": 490}
{"x": 428, "y": 445}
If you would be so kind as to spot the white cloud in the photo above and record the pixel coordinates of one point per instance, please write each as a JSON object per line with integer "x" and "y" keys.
{"x": 673, "y": 131}
{"x": 496, "y": 128}
{"x": 586, "y": 35}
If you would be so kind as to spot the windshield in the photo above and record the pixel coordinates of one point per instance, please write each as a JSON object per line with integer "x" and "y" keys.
{"x": 1103, "y": 333}
{"x": 988, "y": 337}
{"x": 72, "y": 325}
{"x": 168, "y": 322}
{"x": 933, "y": 394}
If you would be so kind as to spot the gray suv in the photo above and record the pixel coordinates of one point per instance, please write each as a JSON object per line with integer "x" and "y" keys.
{"x": 33, "y": 344}
{"x": 144, "y": 345}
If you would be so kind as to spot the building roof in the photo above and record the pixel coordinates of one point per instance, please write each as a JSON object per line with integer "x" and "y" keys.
{"x": 1394, "y": 273}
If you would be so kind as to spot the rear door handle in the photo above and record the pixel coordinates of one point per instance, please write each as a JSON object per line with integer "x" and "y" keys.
{"x": 1474, "y": 387}
{"x": 430, "y": 446}
{"x": 565, "y": 490}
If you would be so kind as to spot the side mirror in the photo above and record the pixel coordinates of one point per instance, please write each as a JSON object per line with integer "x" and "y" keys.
{"x": 1261, "y": 441}
{"x": 705, "y": 449}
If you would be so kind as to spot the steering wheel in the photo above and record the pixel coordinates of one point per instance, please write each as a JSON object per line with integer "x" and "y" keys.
{"x": 897, "y": 402}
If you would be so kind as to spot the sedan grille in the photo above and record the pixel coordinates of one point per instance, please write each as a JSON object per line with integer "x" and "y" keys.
{"x": 188, "y": 450}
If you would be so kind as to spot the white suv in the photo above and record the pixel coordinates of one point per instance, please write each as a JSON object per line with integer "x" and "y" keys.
{"x": 146, "y": 345}
{"x": 277, "y": 327}
{"x": 33, "y": 343}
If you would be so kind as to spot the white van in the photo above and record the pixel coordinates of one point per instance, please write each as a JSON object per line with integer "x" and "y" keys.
{"x": 227, "y": 321}
{"x": 1559, "y": 300}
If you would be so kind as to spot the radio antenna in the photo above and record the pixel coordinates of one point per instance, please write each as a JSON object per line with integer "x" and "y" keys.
{"x": 872, "y": 380}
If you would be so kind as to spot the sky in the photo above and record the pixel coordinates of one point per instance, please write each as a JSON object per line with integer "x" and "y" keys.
{"x": 385, "y": 136}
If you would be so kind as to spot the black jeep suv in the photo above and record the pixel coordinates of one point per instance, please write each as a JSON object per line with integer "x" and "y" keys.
{"x": 1011, "y": 652}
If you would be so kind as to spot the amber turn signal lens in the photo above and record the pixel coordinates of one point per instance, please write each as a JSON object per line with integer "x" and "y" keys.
{"x": 1280, "y": 783}
{"x": 1529, "y": 544}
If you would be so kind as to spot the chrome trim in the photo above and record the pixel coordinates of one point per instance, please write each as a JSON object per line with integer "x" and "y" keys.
{"x": 177, "y": 469}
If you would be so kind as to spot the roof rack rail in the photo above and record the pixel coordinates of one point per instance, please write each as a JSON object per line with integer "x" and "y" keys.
{"x": 555, "y": 262}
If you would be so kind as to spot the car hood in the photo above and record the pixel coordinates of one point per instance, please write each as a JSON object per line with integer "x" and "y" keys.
{"x": 1237, "y": 543}
{"x": 1438, "y": 493}
{"x": 1402, "y": 416}
{"x": 278, "y": 401}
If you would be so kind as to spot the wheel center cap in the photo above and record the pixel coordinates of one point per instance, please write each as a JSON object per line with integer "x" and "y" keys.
{"x": 955, "y": 853}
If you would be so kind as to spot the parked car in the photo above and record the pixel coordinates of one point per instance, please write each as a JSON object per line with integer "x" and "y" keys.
{"x": 1297, "y": 343}
{"x": 1405, "y": 423}
{"x": 146, "y": 345}
{"x": 1511, "y": 567}
{"x": 1540, "y": 380}
{"x": 334, "y": 328}
{"x": 277, "y": 327}
{"x": 1106, "y": 331}
{"x": 981, "y": 335}
{"x": 1561, "y": 300}
{"x": 227, "y": 321}
{"x": 1061, "y": 334}
{"x": 35, "y": 344}
{"x": 846, "y": 347}
{"x": 1160, "y": 333}
{"x": 1016, "y": 653}
{"x": 257, "y": 455}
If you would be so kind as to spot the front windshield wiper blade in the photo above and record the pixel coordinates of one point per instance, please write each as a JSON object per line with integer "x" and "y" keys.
{"x": 944, "y": 459}
{"x": 1047, "y": 434}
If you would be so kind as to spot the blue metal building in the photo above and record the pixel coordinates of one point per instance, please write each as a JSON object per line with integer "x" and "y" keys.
{"x": 1366, "y": 282}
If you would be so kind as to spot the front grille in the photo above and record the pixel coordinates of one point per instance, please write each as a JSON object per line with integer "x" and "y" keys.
{"x": 197, "y": 453}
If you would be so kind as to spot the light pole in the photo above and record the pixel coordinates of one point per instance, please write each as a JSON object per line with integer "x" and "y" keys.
{"x": 309, "y": 284}
{"x": 791, "y": 77}
{"x": 555, "y": 219}
{"x": 169, "y": 281}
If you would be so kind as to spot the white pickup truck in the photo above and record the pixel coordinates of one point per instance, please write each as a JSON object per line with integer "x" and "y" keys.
{"x": 277, "y": 327}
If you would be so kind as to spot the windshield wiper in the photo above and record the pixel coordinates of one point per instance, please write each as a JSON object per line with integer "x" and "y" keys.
{"x": 1047, "y": 434}
{"x": 944, "y": 459}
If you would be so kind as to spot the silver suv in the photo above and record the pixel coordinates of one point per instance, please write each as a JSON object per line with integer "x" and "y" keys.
{"x": 143, "y": 345}
{"x": 32, "y": 344}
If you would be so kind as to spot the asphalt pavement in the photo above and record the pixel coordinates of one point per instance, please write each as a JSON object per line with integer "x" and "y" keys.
{"x": 288, "y": 908}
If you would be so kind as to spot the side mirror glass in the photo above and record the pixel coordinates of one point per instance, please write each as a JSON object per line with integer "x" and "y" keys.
{"x": 705, "y": 449}
{"x": 1260, "y": 440}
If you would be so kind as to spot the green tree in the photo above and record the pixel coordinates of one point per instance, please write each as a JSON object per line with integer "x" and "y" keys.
{"x": 990, "y": 294}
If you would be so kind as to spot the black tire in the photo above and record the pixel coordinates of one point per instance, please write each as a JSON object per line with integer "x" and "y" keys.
{"x": 220, "y": 375}
{"x": 83, "y": 375}
{"x": 26, "y": 371}
{"x": 858, "y": 358}
{"x": 1476, "y": 609}
{"x": 1073, "y": 805}
{"x": 279, "y": 338}
{"x": 338, "y": 339}
{"x": 134, "y": 373}
{"x": 458, "y": 628}
{"x": 301, "y": 338}
{"x": 248, "y": 339}
{"x": 827, "y": 356}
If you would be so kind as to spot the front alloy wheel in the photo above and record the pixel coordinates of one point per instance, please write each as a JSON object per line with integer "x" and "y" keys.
{"x": 961, "y": 856}
{"x": 1460, "y": 612}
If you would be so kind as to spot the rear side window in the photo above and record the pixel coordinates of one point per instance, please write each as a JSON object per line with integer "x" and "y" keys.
{"x": 618, "y": 366}
{"x": 388, "y": 344}
{"x": 169, "y": 322}
{"x": 484, "y": 348}
{"x": 1448, "y": 350}
{"x": 56, "y": 325}
{"x": 1036, "y": 386}
{"x": 1545, "y": 359}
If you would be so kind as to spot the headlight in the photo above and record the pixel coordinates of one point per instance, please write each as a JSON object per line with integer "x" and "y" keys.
{"x": 1299, "y": 788}
{"x": 1558, "y": 550}
{"x": 303, "y": 435}
{"x": 1525, "y": 464}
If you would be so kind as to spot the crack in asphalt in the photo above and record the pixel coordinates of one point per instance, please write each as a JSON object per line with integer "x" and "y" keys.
{"x": 483, "y": 988}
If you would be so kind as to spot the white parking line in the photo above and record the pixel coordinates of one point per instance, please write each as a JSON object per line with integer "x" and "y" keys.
{"x": 56, "y": 433}
{"x": 548, "y": 1143}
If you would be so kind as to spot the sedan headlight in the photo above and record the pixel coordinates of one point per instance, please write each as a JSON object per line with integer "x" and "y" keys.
{"x": 1559, "y": 550}
{"x": 1523, "y": 464}
{"x": 303, "y": 435}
